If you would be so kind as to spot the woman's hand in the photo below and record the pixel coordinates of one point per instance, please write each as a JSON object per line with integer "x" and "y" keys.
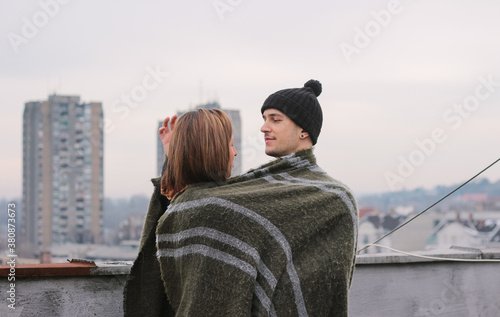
{"x": 166, "y": 133}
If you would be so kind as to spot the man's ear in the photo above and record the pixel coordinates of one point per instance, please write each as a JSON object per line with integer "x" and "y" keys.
{"x": 303, "y": 134}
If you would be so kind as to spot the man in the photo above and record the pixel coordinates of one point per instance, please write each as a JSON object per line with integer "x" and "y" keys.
{"x": 279, "y": 240}
{"x": 292, "y": 119}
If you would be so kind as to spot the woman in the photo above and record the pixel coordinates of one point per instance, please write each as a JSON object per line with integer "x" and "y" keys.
{"x": 200, "y": 148}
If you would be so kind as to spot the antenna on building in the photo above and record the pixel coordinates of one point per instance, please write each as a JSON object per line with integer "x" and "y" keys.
{"x": 215, "y": 97}
{"x": 50, "y": 87}
{"x": 201, "y": 91}
{"x": 59, "y": 83}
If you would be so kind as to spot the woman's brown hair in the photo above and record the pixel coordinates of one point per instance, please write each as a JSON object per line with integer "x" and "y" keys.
{"x": 198, "y": 150}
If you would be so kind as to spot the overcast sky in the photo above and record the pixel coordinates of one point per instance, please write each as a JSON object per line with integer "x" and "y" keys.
{"x": 411, "y": 89}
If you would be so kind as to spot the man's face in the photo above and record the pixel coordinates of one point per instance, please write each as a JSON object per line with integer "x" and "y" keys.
{"x": 281, "y": 134}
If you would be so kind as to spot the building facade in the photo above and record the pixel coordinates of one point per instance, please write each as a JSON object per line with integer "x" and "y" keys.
{"x": 62, "y": 172}
{"x": 235, "y": 117}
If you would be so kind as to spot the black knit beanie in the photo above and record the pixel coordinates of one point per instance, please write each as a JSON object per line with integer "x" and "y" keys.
{"x": 300, "y": 105}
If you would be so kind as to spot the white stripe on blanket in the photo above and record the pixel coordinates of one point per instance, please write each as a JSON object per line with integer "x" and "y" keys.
{"x": 321, "y": 186}
{"x": 268, "y": 226}
{"x": 224, "y": 238}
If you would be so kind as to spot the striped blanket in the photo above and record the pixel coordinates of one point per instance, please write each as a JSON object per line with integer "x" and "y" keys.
{"x": 279, "y": 240}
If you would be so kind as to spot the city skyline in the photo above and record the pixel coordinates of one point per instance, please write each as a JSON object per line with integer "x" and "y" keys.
{"x": 411, "y": 90}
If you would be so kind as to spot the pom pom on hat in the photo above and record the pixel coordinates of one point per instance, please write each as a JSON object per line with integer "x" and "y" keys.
{"x": 300, "y": 105}
{"x": 315, "y": 86}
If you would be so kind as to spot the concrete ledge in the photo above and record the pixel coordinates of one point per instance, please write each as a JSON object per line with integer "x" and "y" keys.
{"x": 447, "y": 255}
{"x": 63, "y": 296}
{"x": 418, "y": 289}
{"x": 78, "y": 267}
{"x": 111, "y": 268}
{"x": 52, "y": 269}
{"x": 388, "y": 284}
{"x": 73, "y": 268}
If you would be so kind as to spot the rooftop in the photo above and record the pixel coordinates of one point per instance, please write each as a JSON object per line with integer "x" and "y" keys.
{"x": 388, "y": 284}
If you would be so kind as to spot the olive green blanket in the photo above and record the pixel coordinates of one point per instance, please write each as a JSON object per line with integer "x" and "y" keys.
{"x": 279, "y": 240}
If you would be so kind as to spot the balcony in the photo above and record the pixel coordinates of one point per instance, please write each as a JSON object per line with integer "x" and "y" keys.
{"x": 387, "y": 284}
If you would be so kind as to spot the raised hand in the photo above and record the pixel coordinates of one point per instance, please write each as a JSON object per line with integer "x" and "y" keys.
{"x": 165, "y": 132}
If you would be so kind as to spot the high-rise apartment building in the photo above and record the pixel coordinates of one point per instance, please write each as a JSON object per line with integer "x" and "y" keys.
{"x": 62, "y": 172}
{"x": 234, "y": 115}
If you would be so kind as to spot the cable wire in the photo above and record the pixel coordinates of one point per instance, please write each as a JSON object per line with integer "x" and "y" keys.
{"x": 433, "y": 257}
{"x": 412, "y": 218}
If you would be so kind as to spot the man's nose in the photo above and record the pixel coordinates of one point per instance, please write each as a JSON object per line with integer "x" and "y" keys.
{"x": 264, "y": 128}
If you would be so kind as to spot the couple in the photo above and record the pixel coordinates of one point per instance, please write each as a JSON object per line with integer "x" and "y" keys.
{"x": 279, "y": 240}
